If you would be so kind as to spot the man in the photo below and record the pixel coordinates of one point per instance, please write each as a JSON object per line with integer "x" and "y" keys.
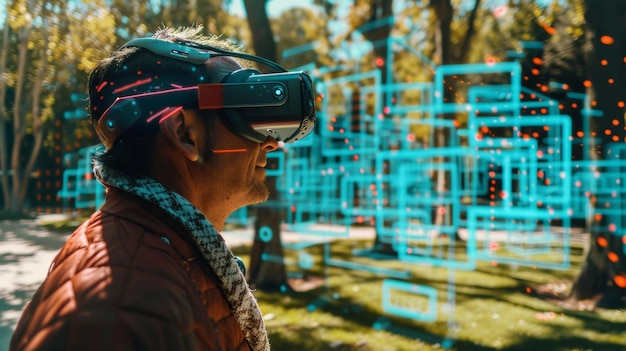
{"x": 187, "y": 130}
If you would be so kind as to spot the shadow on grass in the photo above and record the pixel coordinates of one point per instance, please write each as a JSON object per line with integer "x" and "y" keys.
{"x": 506, "y": 286}
{"x": 556, "y": 343}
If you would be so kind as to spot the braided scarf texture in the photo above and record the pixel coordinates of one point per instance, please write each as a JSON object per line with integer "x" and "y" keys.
{"x": 210, "y": 242}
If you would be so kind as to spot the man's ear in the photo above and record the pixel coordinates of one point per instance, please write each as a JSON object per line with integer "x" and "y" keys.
{"x": 181, "y": 130}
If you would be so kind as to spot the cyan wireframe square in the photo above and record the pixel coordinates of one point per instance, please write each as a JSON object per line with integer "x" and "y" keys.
{"x": 499, "y": 239}
{"x": 409, "y": 300}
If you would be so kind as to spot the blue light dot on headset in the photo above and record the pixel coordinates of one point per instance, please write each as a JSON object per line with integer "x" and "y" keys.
{"x": 265, "y": 234}
{"x": 110, "y": 124}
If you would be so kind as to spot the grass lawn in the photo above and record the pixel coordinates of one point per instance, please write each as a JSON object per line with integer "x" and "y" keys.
{"x": 494, "y": 307}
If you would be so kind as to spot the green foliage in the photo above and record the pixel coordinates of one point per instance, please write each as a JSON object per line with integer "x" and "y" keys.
{"x": 305, "y": 34}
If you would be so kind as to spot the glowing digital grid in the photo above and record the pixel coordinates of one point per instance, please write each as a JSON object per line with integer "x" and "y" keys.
{"x": 509, "y": 175}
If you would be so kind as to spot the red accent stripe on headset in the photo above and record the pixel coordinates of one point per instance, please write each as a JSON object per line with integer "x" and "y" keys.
{"x": 210, "y": 96}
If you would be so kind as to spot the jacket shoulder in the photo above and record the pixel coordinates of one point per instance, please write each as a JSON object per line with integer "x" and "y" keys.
{"x": 116, "y": 278}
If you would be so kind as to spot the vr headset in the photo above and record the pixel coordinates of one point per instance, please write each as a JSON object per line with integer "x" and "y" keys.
{"x": 251, "y": 104}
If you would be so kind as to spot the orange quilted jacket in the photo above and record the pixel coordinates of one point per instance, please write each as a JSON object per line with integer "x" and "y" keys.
{"x": 128, "y": 279}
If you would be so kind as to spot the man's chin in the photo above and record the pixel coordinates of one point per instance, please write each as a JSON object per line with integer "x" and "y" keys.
{"x": 260, "y": 197}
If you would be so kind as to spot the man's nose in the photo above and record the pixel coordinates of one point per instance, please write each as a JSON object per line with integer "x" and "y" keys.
{"x": 269, "y": 144}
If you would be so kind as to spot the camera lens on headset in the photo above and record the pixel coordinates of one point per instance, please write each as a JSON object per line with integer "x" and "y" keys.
{"x": 278, "y": 92}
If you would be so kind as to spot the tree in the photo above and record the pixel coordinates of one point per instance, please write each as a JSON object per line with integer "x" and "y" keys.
{"x": 267, "y": 268}
{"x": 41, "y": 39}
{"x": 603, "y": 275}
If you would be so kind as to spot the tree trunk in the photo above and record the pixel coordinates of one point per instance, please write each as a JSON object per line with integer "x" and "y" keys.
{"x": 19, "y": 123}
{"x": 37, "y": 122}
{"x": 267, "y": 268}
{"x": 443, "y": 55}
{"x": 4, "y": 116}
{"x": 443, "y": 21}
{"x": 380, "y": 11}
{"x": 262, "y": 36}
{"x": 603, "y": 275}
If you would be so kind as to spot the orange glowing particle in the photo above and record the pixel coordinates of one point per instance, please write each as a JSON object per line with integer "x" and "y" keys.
{"x": 528, "y": 290}
{"x": 621, "y": 104}
{"x": 565, "y": 86}
{"x": 612, "y": 227}
{"x": 546, "y": 128}
{"x": 607, "y": 132}
{"x": 538, "y": 61}
{"x": 601, "y": 241}
{"x": 574, "y": 105}
{"x": 604, "y": 62}
{"x": 611, "y": 80}
{"x": 492, "y": 174}
{"x": 484, "y": 129}
{"x": 615, "y": 122}
{"x": 561, "y": 106}
{"x": 544, "y": 88}
{"x": 615, "y": 138}
{"x": 620, "y": 280}
{"x": 580, "y": 134}
{"x": 594, "y": 103}
{"x": 490, "y": 60}
{"x": 613, "y": 257}
{"x": 540, "y": 174}
{"x": 607, "y": 40}
{"x": 587, "y": 83}
{"x": 549, "y": 30}
{"x": 535, "y": 72}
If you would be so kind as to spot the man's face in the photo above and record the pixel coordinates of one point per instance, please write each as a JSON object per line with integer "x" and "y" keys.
{"x": 236, "y": 170}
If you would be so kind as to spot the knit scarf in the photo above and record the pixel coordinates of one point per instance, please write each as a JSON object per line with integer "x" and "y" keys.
{"x": 210, "y": 242}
